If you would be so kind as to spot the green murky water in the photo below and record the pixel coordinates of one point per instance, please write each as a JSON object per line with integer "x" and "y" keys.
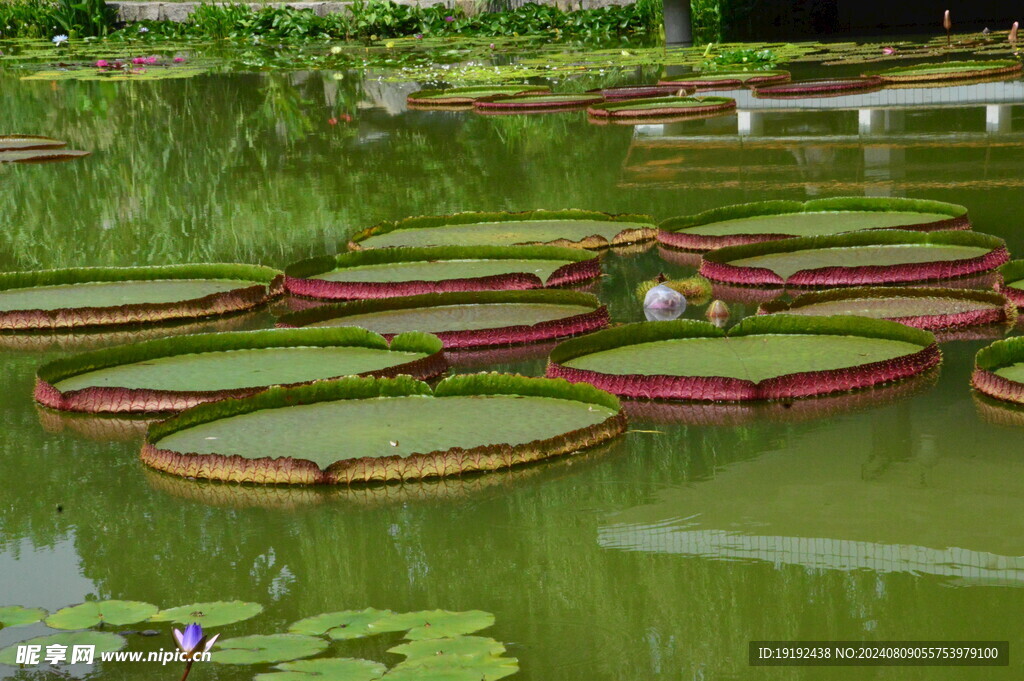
{"x": 896, "y": 514}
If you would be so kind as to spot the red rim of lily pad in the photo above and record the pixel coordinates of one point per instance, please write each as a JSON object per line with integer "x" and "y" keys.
{"x": 122, "y": 400}
{"x": 370, "y": 469}
{"x": 674, "y": 231}
{"x": 980, "y": 69}
{"x": 463, "y": 97}
{"x": 621, "y": 92}
{"x": 29, "y": 142}
{"x": 996, "y": 308}
{"x": 731, "y": 389}
{"x": 662, "y": 107}
{"x": 991, "y": 359}
{"x": 742, "y": 79}
{"x": 540, "y": 103}
{"x": 819, "y": 87}
{"x": 625, "y": 237}
{"x": 245, "y": 297}
{"x": 716, "y": 265}
{"x": 517, "y": 334}
{"x": 300, "y": 278}
{"x": 1009, "y": 274}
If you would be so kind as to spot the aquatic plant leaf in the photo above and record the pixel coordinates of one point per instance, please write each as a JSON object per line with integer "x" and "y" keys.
{"x": 346, "y": 624}
{"x": 819, "y": 87}
{"x": 104, "y": 642}
{"x": 459, "y": 646}
{"x": 27, "y": 142}
{"x": 41, "y": 155}
{"x": 93, "y": 613}
{"x": 19, "y": 616}
{"x": 952, "y": 70}
{"x": 326, "y": 669}
{"x": 211, "y": 614}
{"x": 442, "y": 668}
{"x": 656, "y": 107}
{"x": 261, "y": 649}
{"x": 428, "y": 624}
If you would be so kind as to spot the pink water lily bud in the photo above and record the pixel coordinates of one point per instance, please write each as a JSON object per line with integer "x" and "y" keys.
{"x": 888, "y": 50}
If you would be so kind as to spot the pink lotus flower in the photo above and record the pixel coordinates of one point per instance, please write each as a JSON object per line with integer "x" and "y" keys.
{"x": 102, "y": 63}
{"x": 138, "y": 60}
{"x": 888, "y": 50}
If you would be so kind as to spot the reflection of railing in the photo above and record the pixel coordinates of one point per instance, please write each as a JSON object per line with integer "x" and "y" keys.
{"x": 974, "y": 567}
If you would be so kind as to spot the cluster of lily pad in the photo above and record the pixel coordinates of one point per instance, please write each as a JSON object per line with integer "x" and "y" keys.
{"x": 438, "y": 643}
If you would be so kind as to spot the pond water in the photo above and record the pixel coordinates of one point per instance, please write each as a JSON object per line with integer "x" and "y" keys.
{"x": 892, "y": 514}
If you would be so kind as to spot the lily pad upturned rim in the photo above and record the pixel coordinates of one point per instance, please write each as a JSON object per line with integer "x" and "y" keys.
{"x": 920, "y": 73}
{"x": 989, "y": 359}
{"x": 514, "y": 334}
{"x": 716, "y": 266}
{"x": 673, "y": 231}
{"x": 454, "y": 461}
{"x": 729, "y": 389}
{"x": 121, "y": 400}
{"x": 29, "y": 143}
{"x": 541, "y": 102}
{"x": 818, "y": 87}
{"x": 619, "y": 93}
{"x": 1010, "y": 273}
{"x": 460, "y": 97}
{"x": 578, "y": 268}
{"x": 243, "y": 298}
{"x": 593, "y": 242}
{"x": 667, "y": 106}
{"x": 999, "y": 310}
{"x": 702, "y": 82}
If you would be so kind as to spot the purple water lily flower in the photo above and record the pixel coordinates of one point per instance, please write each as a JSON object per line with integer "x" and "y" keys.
{"x": 449, "y": 19}
{"x": 193, "y": 640}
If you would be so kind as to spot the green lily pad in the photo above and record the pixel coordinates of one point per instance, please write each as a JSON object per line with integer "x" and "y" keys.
{"x": 428, "y": 624}
{"x": 212, "y": 614}
{"x": 105, "y": 642}
{"x": 662, "y": 106}
{"x": 41, "y": 155}
{"x": 19, "y": 616}
{"x": 260, "y": 649}
{"x": 952, "y": 70}
{"x": 26, "y": 142}
{"x": 465, "y": 96}
{"x": 536, "y": 102}
{"x": 442, "y": 668}
{"x": 341, "y": 625}
{"x": 93, "y": 613}
{"x": 326, "y": 669}
{"x": 726, "y": 79}
{"x": 459, "y": 646}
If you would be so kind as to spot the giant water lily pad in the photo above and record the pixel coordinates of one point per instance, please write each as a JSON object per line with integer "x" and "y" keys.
{"x": 41, "y": 155}
{"x": 471, "y": 319}
{"x": 951, "y": 70}
{"x": 536, "y": 103}
{"x": 576, "y": 228}
{"x": 99, "y": 613}
{"x": 999, "y": 370}
{"x": 103, "y": 296}
{"x": 622, "y": 92}
{"x": 364, "y": 429}
{"x": 261, "y": 649}
{"x": 428, "y": 624}
{"x": 764, "y": 357}
{"x": 210, "y": 614}
{"x": 1011, "y": 281}
{"x": 727, "y": 79}
{"x": 856, "y": 258}
{"x": 171, "y": 374}
{"x": 819, "y": 87}
{"x": 929, "y": 308}
{"x": 391, "y": 272}
{"x": 28, "y": 142}
{"x": 346, "y": 624}
{"x": 463, "y": 97}
{"x": 661, "y": 107}
{"x": 326, "y": 669}
{"x": 772, "y": 220}
{"x": 19, "y": 616}
{"x": 102, "y": 641}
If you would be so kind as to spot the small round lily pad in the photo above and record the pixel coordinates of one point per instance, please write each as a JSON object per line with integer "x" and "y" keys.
{"x": 265, "y": 648}
{"x": 727, "y": 79}
{"x": 325, "y": 669}
{"x": 102, "y": 641}
{"x": 773, "y": 220}
{"x": 661, "y": 107}
{"x": 462, "y": 320}
{"x": 171, "y": 374}
{"x": 762, "y": 358}
{"x": 392, "y": 272}
{"x": 97, "y": 613}
{"x": 572, "y": 228}
{"x": 210, "y": 614}
{"x": 951, "y": 70}
{"x": 888, "y": 256}
{"x": 343, "y": 625}
{"x": 392, "y": 429}
{"x": 103, "y": 296}
{"x": 462, "y": 646}
{"x": 463, "y": 97}
{"x": 19, "y": 616}
{"x": 428, "y": 624}
{"x": 535, "y": 103}
{"x": 459, "y": 668}
{"x": 819, "y": 87}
